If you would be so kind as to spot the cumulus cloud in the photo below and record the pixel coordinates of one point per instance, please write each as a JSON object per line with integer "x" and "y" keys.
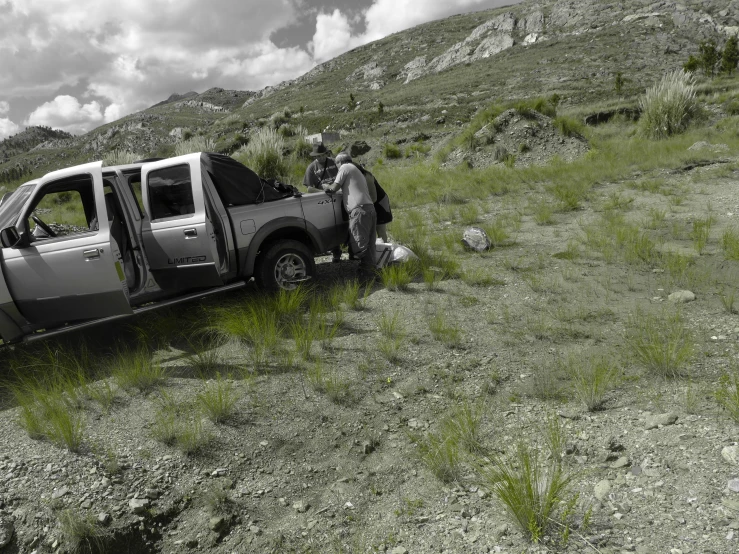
{"x": 4, "y": 107}
{"x": 333, "y": 36}
{"x": 67, "y": 113}
{"x": 101, "y": 64}
{"x": 7, "y": 128}
{"x": 334, "y": 32}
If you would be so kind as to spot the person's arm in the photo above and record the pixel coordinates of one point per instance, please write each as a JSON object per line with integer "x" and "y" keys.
{"x": 336, "y": 185}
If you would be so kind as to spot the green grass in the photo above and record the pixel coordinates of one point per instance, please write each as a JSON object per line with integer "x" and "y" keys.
{"x": 81, "y": 532}
{"x": 397, "y": 277}
{"x": 218, "y": 399}
{"x": 449, "y": 334}
{"x": 661, "y": 343}
{"x": 727, "y": 394}
{"x": 535, "y": 492}
{"x": 592, "y": 377}
{"x": 135, "y": 369}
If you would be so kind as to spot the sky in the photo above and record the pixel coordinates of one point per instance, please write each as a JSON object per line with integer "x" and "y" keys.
{"x": 78, "y": 64}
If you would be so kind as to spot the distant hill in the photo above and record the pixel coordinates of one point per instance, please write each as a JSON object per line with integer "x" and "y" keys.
{"x": 430, "y": 80}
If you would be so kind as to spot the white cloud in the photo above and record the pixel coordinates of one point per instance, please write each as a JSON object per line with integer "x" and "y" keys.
{"x": 67, "y": 113}
{"x": 7, "y": 128}
{"x": 385, "y": 17}
{"x": 333, "y": 36}
{"x": 4, "y": 107}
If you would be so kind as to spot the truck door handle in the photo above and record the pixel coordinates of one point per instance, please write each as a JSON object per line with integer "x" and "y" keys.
{"x": 91, "y": 254}
{"x": 191, "y": 233}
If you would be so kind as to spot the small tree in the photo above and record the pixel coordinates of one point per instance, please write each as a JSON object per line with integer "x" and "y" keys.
{"x": 730, "y": 57}
{"x": 380, "y": 108}
{"x": 692, "y": 65}
{"x": 709, "y": 56}
{"x": 352, "y": 101}
{"x": 619, "y": 82}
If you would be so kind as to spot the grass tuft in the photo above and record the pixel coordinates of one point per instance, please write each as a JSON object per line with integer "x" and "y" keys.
{"x": 668, "y": 106}
{"x": 661, "y": 343}
{"x": 218, "y": 399}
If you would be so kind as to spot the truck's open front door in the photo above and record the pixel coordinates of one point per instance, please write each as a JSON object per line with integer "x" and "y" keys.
{"x": 66, "y": 268}
{"x": 178, "y": 236}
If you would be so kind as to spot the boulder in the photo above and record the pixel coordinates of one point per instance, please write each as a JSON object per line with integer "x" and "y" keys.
{"x": 476, "y": 239}
{"x": 358, "y": 148}
{"x": 681, "y": 297}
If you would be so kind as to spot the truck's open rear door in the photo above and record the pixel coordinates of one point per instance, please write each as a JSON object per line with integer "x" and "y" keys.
{"x": 178, "y": 236}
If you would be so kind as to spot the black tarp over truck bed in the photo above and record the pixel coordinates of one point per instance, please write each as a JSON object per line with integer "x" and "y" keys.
{"x": 238, "y": 185}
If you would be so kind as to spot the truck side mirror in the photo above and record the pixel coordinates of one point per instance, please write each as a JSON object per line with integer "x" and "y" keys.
{"x": 11, "y": 238}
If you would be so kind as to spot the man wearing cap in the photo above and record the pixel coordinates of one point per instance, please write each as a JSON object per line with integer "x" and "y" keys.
{"x": 362, "y": 215}
{"x": 321, "y": 170}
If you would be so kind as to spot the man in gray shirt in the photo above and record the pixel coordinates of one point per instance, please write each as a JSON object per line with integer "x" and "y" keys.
{"x": 362, "y": 216}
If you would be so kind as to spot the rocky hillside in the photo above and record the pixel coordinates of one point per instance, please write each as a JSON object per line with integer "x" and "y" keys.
{"x": 434, "y": 77}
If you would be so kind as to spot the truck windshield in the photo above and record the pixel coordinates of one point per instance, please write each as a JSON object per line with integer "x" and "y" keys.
{"x": 12, "y": 205}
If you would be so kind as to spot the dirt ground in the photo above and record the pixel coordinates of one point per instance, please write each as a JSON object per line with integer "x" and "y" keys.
{"x": 307, "y": 471}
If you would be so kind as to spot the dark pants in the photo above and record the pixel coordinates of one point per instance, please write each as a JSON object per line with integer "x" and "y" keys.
{"x": 363, "y": 234}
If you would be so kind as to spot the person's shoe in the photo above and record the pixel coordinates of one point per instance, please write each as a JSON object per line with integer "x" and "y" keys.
{"x": 352, "y": 257}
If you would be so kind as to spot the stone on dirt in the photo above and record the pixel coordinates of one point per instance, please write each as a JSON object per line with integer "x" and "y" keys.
{"x": 138, "y": 505}
{"x": 602, "y": 488}
{"x": 661, "y": 420}
{"x": 731, "y": 454}
{"x": 476, "y": 239}
{"x": 681, "y": 297}
{"x": 7, "y": 530}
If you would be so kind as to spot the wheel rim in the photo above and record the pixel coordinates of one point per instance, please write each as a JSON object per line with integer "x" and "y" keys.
{"x": 290, "y": 270}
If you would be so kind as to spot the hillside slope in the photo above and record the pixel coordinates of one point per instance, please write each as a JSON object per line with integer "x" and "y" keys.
{"x": 433, "y": 77}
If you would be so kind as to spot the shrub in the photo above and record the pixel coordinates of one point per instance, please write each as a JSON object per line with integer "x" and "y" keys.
{"x": 264, "y": 154}
{"x": 120, "y": 157}
{"x": 669, "y": 105}
{"x": 391, "y": 151}
{"x": 194, "y": 144}
{"x": 568, "y": 126}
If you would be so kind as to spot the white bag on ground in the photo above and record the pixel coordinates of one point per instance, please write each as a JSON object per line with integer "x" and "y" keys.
{"x": 388, "y": 253}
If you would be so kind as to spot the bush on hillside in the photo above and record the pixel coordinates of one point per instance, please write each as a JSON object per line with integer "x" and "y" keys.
{"x": 391, "y": 151}
{"x": 264, "y": 155}
{"x": 669, "y": 105}
{"x": 120, "y": 157}
{"x": 194, "y": 144}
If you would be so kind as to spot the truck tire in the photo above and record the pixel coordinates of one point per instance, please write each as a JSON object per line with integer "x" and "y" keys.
{"x": 285, "y": 264}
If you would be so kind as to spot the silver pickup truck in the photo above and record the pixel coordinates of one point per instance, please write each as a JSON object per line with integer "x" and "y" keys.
{"x": 90, "y": 243}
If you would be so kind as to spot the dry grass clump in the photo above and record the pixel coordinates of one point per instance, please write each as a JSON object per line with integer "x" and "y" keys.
{"x": 263, "y": 154}
{"x": 194, "y": 144}
{"x": 668, "y": 106}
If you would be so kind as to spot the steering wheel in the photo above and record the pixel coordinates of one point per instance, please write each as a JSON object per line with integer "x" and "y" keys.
{"x": 48, "y": 230}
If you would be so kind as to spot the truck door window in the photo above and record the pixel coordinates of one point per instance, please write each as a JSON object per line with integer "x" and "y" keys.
{"x": 170, "y": 192}
{"x": 67, "y": 208}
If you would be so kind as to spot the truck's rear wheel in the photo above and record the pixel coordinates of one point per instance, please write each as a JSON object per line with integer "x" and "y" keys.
{"x": 285, "y": 265}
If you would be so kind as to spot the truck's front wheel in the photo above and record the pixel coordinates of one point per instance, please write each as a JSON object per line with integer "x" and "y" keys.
{"x": 285, "y": 265}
